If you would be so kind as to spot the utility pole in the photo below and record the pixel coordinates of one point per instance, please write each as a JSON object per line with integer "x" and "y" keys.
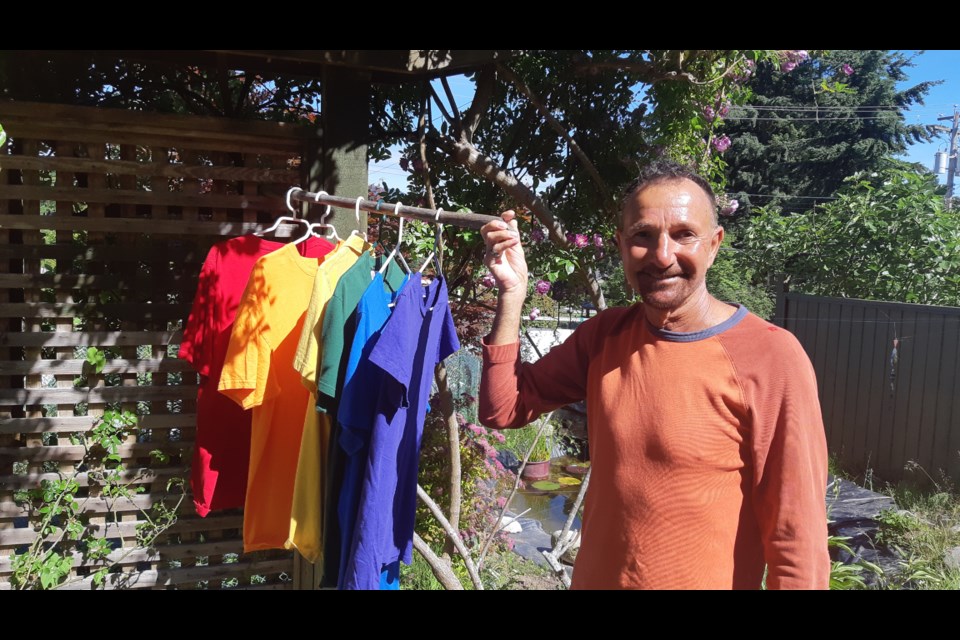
{"x": 952, "y": 164}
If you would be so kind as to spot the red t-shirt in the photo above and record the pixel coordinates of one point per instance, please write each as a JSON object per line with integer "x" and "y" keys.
{"x": 221, "y": 455}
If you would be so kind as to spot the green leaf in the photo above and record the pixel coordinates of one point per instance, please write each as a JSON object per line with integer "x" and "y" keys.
{"x": 3, "y": 136}
{"x": 545, "y": 485}
{"x": 99, "y": 577}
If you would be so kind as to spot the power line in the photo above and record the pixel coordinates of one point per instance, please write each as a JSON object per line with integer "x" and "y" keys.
{"x": 823, "y": 119}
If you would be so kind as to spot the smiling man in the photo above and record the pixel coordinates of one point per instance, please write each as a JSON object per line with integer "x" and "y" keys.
{"x": 708, "y": 453}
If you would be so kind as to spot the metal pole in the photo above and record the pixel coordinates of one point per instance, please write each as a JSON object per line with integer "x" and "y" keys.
{"x": 952, "y": 166}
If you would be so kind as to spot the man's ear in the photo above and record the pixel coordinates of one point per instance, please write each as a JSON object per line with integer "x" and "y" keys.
{"x": 715, "y": 241}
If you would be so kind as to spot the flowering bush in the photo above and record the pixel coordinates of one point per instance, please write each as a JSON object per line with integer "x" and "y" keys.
{"x": 721, "y": 143}
{"x": 480, "y": 471}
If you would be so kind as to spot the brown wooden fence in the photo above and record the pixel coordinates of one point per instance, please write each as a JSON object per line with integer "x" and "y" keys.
{"x": 884, "y": 412}
{"x": 105, "y": 219}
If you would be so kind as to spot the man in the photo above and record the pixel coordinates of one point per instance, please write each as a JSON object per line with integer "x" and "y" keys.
{"x": 707, "y": 445}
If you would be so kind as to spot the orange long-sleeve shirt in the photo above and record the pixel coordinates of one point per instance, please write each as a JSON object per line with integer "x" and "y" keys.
{"x": 708, "y": 451}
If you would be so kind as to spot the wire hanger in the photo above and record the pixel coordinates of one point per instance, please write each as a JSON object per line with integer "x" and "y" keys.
{"x": 322, "y": 224}
{"x": 283, "y": 219}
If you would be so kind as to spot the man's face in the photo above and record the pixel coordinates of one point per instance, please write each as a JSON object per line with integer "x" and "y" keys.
{"x": 668, "y": 242}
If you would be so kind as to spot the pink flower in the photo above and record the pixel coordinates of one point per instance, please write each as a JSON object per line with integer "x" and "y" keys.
{"x": 477, "y": 429}
{"x": 709, "y": 113}
{"x": 581, "y": 241}
{"x": 847, "y": 69}
{"x": 721, "y": 144}
{"x": 597, "y": 240}
{"x": 499, "y": 437}
{"x": 537, "y": 235}
{"x": 731, "y": 207}
{"x": 571, "y": 238}
{"x": 501, "y": 502}
{"x": 788, "y": 66}
{"x": 542, "y": 287}
{"x": 534, "y": 314}
{"x": 488, "y": 281}
{"x": 723, "y": 110}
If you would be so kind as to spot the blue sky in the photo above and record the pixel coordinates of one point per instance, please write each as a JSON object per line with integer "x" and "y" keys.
{"x": 929, "y": 65}
{"x": 934, "y": 65}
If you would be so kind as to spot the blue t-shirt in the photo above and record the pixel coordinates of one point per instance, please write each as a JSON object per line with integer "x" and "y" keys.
{"x": 418, "y": 335}
{"x": 357, "y": 408}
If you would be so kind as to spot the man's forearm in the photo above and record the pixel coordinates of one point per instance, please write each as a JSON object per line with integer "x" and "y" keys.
{"x": 506, "y": 321}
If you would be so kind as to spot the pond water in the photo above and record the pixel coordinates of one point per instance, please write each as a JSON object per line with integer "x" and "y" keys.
{"x": 550, "y": 508}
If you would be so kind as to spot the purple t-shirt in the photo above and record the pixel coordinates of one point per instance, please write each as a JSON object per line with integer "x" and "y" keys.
{"x": 419, "y": 334}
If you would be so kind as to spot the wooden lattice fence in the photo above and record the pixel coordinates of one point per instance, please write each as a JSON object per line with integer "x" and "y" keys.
{"x": 105, "y": 219}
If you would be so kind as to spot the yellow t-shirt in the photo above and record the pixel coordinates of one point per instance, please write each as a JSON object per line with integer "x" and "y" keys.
{"x": 306, "y": 514}
{"x": 258, "y": 374}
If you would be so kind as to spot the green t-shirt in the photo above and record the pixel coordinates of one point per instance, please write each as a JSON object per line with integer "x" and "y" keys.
{"x": 339, "y": 325}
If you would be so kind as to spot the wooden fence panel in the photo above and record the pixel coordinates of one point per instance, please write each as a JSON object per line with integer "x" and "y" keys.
{"x": 105, "y": 219}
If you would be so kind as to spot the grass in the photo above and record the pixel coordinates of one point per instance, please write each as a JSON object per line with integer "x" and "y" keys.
{"x": 502, "y": 570}
{"x": 921, "y": 531}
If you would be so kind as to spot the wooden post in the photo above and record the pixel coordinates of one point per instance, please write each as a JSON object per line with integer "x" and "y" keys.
{"x": 337, "y": 162}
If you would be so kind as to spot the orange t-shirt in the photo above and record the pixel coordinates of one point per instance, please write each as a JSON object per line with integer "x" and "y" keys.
{"x": 708, "y": 452}
{"x": 258, "y": 373}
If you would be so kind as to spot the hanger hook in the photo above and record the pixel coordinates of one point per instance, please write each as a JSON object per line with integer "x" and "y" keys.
{"x": 289, "y": 204}
{"x": 316, "y": 198}
{"x": 357, "y": 210}
{"x": 396, "y": 212}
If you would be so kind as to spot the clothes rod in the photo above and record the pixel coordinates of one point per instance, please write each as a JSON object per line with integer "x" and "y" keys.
{"x": 457, "y": 218}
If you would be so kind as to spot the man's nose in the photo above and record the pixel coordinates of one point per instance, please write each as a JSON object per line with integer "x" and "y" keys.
{"x": 664, "y": 251}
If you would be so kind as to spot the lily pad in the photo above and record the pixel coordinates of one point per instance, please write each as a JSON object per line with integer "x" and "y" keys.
{"x": 545, "y": 485}
{"x": 568, "y": 481}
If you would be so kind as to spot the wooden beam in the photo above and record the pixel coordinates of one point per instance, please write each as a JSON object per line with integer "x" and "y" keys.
{"x": 70, "y": 424}
{"x": 149, "y": 169}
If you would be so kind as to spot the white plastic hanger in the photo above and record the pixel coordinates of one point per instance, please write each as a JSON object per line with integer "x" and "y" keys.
{"x": 436, "y": 242}
{"x": 324, "y": 225}
{"x": 283, "y": 219}
{"x": 396, "y": 210}
{"x": 357, "y": 231}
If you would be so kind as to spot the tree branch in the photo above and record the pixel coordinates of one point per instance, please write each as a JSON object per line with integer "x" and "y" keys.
{"x": 484, "y": 166}
{"x": 446, "y": 116}
{"x": 650, "y": 72}
{"x": 516, "y": 487}
{"x": 453, "y": 103}
{"x": 557, "y": 126}
{"x": 445, "y": 397}
{"x": 441, "y": 569}
{"x": 453, "y": 535}
{"x": 486, "y": 79}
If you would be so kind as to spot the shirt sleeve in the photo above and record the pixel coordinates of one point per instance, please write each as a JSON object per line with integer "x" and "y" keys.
{"x": 200, "y": 330}
{"x": 245, "y": 378}
{"x": 513, "y": 393}
{"x": 395, "y": 352}
{"x": 448, "y": 343}
{"x": 790, "y": 468}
